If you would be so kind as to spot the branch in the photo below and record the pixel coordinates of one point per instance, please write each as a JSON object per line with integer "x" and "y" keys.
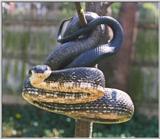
{"x": 80, "y": 13}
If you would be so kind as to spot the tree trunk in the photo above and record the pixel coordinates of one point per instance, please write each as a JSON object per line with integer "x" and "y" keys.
{"x": 124, "y": 56}
{"x": 101, "y": 8}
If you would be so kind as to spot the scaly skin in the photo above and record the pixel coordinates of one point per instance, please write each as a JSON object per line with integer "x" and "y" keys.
{"x": 80, "y": 92}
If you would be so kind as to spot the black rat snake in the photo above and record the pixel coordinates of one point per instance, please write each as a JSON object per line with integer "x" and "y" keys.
{"x": 68, "y": 84}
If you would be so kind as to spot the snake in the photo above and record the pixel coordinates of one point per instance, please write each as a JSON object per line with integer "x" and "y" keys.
{"x": 67, "y": 82}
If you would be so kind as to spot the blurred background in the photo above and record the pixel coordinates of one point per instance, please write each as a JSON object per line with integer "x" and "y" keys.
{"x": 29, "y": 34}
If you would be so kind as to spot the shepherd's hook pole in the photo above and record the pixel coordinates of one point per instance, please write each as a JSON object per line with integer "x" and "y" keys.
{"x": 82, "y": 128}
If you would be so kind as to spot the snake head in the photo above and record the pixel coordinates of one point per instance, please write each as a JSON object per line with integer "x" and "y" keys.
{"x": 70, "y": 29}
{"x": 39, "y": 73}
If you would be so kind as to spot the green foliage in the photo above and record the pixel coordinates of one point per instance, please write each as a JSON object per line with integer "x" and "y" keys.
{"x": 136, "y": 84}
{"x": 115, "y": 9}
{"x": 67, "y": 10}
{"x": 147, "y": 45}
{"x": 136, "y": 127}
{"x": 29, "y": 121}
{"x": 35, "y": 122}
{"x": 10, "y": 39}
{"x": 39, "y": 41}
{"x": 148, "y": 13}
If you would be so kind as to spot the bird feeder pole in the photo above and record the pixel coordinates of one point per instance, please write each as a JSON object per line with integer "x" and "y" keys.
{"x": 82, "y": 128}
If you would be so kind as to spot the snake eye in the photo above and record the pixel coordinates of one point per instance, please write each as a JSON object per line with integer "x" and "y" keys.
{"x": 30, "y": 72}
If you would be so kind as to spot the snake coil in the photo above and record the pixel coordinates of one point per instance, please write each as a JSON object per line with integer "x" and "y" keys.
{"x": 68, "y": 84}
